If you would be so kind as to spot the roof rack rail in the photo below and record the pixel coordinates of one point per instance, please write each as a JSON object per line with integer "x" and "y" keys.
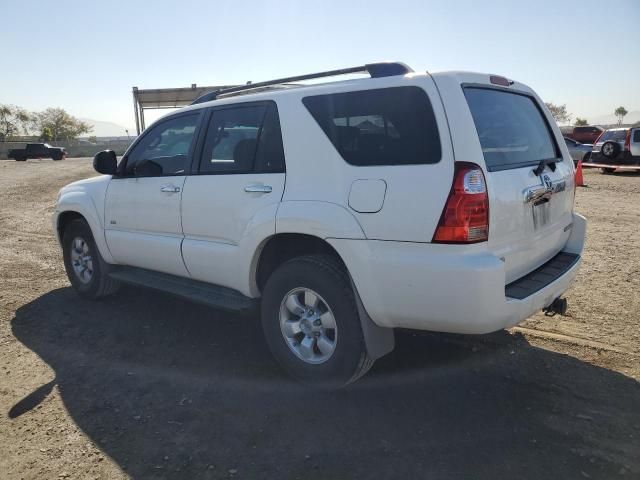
{"x": 376, "y": 70}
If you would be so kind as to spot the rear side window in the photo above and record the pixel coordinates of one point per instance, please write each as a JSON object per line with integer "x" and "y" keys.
{"x": 512, "y": 131}
{"x": 586, "y": 130}
{"x": 636, "y": 136}
{"x": 614, "y": 136}
{"x": 243, "y": 139}
{"x": 390, "y": 126}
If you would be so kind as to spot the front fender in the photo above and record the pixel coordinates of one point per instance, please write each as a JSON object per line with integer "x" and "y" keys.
{"x": 82, "y": 203}
{"x": 320, "y": 219}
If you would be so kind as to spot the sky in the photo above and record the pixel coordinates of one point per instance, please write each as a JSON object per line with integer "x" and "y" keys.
{"x": 85, "y": 56}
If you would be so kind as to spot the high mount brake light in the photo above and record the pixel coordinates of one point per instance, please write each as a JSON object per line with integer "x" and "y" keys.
{"x": 465, "y": 217}
{"x": 498, "y": 80}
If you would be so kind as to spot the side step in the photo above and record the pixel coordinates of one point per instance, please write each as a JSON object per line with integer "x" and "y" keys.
{"x": 196, "y": 291}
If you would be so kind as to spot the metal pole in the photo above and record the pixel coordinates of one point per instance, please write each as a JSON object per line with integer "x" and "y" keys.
{"x": 144, "y": 126}
{"x": 135, "y": 108}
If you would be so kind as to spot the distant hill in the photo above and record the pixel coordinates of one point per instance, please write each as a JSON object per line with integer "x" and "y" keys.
{"x": 631, "y": 117}
{"x": 107, "y": 129}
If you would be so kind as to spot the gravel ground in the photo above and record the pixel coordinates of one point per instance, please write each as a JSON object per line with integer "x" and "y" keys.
{"x": 147, "y": 386}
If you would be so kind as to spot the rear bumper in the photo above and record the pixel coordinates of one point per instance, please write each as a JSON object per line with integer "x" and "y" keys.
{"x": 427, "y": 287}
{"x": 625, "y": 158}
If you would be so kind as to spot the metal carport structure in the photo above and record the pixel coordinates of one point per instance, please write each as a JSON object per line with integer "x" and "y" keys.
{"x": 159, "y": 98}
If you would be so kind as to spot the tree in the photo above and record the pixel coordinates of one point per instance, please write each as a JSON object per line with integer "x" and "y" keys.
{"x": 13, "y": 120}
{"x": 46, "y": 134}
{"x": 620, "y": 113}
{"x": 61, "y": 125}
{"x": 559, "y": 112}
{"x": 581, "y": 122}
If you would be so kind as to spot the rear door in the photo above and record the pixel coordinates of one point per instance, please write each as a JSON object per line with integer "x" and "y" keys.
{"x": 234, "y": 192}
{"x": 528, "y": 171}
{"x": 635, "y": 142}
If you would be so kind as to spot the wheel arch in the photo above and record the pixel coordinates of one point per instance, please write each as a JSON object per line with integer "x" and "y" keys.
{"x": 77, "y": 205}
{"x": 281, "y": 247}
{"x": 284, "y": 246}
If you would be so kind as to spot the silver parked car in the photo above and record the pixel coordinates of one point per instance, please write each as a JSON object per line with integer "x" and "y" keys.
{"x": 578, "y": 151}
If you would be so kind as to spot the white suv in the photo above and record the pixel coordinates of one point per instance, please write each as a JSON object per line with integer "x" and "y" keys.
{"x": 439, "y": 201}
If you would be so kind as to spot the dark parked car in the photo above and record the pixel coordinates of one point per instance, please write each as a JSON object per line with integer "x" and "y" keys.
{"x": 587, "y": 134}
{"x": 37, "y": 150}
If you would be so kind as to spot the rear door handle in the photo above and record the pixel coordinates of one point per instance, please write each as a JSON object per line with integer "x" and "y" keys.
{"x": 258, "y": 189}
{"x": 169, "y": 189}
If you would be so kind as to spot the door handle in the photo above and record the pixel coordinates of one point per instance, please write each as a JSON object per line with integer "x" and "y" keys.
{"x": 258, "y": 189}
{"x": 169, "y": 189}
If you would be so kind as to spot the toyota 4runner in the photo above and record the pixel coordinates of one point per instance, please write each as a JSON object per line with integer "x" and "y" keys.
{"x": 343, "y": 210}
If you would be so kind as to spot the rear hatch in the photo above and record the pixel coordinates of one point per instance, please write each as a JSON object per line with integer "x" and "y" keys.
{"x": 509, "y": 133}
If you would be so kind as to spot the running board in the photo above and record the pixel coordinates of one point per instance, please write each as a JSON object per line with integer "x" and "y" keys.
{"x": 199, "y": 292}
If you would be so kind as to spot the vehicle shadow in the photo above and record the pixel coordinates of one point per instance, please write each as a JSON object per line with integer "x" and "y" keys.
{"x": 173, "y": 390}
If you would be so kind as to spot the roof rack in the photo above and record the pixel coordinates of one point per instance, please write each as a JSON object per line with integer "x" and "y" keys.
{"x": 376, "y": 70}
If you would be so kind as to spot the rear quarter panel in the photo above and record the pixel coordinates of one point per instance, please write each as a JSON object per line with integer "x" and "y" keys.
{"x": 415, "y": 194}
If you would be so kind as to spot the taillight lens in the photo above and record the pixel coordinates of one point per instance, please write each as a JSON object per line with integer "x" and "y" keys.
{"x": 465, "y": 218}
{"x": 627, "y": 141}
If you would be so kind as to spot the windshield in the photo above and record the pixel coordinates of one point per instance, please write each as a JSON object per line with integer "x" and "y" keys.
{"x": 511, "y": 128}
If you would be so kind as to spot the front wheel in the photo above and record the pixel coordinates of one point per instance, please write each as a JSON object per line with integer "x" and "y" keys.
{"x": 21, "y": 159}
{"x": 607, "y": 170}
{"x": 87, "y": 271}
{"x": 311, "y": 322}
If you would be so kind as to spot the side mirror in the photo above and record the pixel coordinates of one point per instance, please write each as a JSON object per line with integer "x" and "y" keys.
{"x": 105, "y": 162}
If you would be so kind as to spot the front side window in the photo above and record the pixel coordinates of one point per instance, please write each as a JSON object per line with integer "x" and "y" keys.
{"x": 390, "y": 126}
{"x": 511, "y": 129}
{"x": 243, "y": 139}
{"x": 164, "y": 150}
{"x": 636, "y": 136}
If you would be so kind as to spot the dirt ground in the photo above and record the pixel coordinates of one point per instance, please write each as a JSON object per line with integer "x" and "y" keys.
{"x": 143, "y": 385}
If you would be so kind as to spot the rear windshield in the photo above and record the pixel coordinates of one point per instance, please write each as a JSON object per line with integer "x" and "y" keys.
{"x": 512, "y": 131}
{"x": 614, "y": 136}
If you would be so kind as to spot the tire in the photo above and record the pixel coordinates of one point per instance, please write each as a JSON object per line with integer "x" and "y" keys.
{"x": 607, "y": 170}
{"x": 21, "y": 159}
{"x": 610, "y": 149}
{"x": 301, "y": 279}
{"x": 586, "y": 157}
{"x": 77, "y": 245}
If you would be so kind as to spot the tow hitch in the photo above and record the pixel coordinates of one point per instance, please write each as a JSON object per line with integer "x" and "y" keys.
{"x": 559, "y": 305}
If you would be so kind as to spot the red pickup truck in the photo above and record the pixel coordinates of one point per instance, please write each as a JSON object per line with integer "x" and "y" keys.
{"x": 587, "y": 134}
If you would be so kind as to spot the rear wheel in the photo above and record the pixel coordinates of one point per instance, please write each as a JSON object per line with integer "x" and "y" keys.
{"x": 87, "y": 271}
{"x": 21, "y": 159}
{"x": 311, "y": 322}
{"x": 607, "y": 170}
{"x": 610, "y": 149}
{"x": 586, "y": 157}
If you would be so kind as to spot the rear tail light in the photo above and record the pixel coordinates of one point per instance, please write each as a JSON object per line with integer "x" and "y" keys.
{"x": 627, "y": 141}
{"x": 465, "y": 218}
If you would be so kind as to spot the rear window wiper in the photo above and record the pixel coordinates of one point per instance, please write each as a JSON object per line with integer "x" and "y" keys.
{"x": 540, "y": 168}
